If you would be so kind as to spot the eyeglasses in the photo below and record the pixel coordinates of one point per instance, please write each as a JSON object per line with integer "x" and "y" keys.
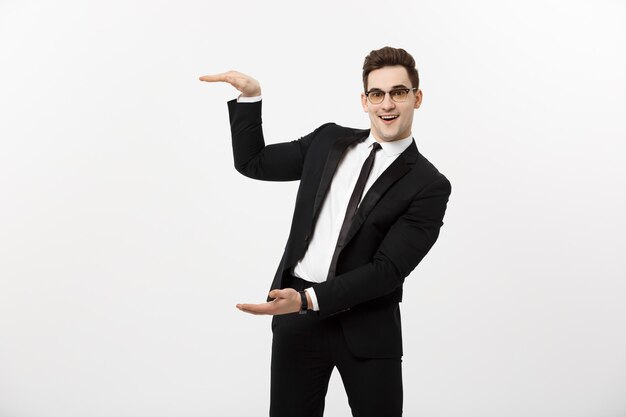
{"x": 399, "y": 95}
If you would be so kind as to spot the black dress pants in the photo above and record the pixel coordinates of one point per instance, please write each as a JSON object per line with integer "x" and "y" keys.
{"x": 305, "y": 350}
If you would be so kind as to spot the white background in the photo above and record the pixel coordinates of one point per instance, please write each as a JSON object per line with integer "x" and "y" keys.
{"x": 127, "y": 237}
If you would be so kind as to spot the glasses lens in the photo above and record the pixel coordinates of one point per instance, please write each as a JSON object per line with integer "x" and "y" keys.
{"x": 376, "y": 97}
{"x": 399, "y": 95}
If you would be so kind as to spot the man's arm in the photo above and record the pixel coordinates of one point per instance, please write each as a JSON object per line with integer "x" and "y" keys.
{"x": 253, "y": 158}
{"x": 404, "y": 246}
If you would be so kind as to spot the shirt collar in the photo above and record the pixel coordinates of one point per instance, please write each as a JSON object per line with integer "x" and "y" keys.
{"x": 392, "y": 148}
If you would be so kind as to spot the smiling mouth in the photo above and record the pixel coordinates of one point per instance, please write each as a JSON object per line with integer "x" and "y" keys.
{"x": 389, "y": 118}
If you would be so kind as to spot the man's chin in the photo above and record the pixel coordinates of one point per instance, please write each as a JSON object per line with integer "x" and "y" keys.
{"x": 388, "y": 136}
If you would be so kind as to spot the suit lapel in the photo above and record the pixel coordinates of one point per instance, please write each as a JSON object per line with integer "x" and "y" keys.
{"x": 332, "y": 161}
{"x": 393, "y": 173}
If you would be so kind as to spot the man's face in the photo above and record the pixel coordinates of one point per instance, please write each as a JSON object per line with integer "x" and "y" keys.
{"x": 390, "y": 120}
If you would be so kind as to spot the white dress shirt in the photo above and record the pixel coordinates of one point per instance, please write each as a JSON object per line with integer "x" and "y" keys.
{"x": 315, "y": 263}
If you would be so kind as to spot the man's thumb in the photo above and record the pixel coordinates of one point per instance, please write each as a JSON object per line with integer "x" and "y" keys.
{"x": 275, "y": 293}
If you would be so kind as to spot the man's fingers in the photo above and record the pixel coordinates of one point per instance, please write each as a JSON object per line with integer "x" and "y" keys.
{"x": 213, "y": 78}
{"x": 233, "y": 78}
{"x": 265, "y": 308}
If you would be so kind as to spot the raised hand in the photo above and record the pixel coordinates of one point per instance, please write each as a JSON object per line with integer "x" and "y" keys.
{"x": 248, "y": 86}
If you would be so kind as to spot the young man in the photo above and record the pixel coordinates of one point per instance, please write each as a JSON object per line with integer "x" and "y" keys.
{"x": 368, "y": 209}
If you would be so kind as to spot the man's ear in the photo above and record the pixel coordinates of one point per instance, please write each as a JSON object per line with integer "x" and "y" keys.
{"x": 364, "y": 102}
{"x": 418, "y": 99}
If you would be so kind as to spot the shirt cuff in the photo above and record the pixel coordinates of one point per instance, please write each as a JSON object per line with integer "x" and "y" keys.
{"x": 242, "y": 99}
{"x": 311, "y": 293}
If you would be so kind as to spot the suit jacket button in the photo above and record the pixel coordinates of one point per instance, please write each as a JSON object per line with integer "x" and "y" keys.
{"x": 306, "y": 238}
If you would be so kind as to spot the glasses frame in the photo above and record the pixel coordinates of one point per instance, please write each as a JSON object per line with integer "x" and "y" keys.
{"x": 406, "y": 90}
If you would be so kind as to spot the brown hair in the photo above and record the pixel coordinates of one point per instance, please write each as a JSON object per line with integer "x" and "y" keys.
{"x": 386, "y": 57}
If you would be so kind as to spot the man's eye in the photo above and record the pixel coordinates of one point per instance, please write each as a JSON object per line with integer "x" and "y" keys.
{"x": 377, "y": 94}
{"x": 397, "y": 93}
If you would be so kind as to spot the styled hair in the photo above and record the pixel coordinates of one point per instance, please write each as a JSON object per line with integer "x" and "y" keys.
{"x": 387, "y": 57}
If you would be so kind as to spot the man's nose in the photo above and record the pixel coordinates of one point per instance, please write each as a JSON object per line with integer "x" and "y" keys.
{"x": 388, "y": 103}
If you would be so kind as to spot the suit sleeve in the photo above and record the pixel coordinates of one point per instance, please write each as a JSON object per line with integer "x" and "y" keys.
{"x": 403, "y": 247}
{"x": 254, "y": 159}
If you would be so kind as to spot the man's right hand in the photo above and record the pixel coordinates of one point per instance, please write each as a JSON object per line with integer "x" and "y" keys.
{"x": 248, "y": 86}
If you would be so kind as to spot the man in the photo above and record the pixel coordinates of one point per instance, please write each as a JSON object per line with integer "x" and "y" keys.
{"x": 368, "y": 209}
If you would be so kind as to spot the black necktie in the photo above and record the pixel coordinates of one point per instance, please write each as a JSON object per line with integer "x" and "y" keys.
{"x": 355, "y": 198}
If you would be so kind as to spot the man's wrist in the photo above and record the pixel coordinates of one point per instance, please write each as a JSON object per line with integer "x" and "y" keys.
{"x": 248, "y": 99}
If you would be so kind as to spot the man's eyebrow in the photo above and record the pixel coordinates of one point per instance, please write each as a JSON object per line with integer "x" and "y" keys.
{"x": 392, "y": 88}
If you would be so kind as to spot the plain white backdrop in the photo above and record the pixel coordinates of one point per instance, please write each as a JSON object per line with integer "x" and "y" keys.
{"x": 127, "y": 237}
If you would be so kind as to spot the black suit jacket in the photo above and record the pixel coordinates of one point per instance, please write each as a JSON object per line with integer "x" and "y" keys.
{"x": 397, "y": 223}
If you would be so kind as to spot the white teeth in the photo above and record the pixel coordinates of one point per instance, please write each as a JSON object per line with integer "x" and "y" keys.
{"x": 388, "y": 117}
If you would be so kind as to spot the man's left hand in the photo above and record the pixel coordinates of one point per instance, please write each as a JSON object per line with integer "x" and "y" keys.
{"x": 285, "y": 301}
